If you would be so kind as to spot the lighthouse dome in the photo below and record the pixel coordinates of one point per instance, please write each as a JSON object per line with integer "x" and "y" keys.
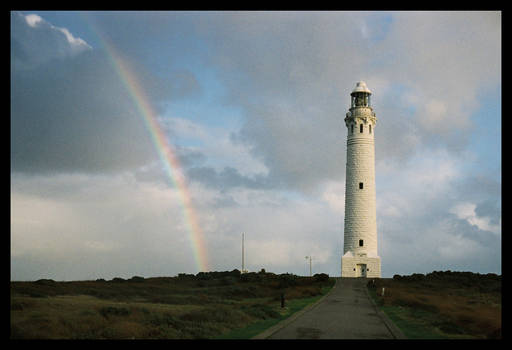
{"x": 361, "y": 87}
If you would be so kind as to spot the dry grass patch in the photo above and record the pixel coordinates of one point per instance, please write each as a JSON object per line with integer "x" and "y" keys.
{"x": 205, "y": 305}
{"x": 454, "y": 304}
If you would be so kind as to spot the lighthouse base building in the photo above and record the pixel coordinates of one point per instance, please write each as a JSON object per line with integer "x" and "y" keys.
{"x": 360, "y": 257}
{"x": 360, "y": 266}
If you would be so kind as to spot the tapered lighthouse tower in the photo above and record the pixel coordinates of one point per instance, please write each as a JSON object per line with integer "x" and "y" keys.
{"x": 360, "y": 257}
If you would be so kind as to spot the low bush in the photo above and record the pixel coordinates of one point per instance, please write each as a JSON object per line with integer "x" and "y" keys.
{"x": 251, "y": 277}
{"x": 321, "y": 277}
{"x": 118, "y": 280}
{"x": 108, "y": 311}
{"x": 287, "y": 280}
{"x": 154, "y": 307}
{"x": 137, "y": 279}
{"x": 45, "y": 282}
{"x": 261, "y": 311}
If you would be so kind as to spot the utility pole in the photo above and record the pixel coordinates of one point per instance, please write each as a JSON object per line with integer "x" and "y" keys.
{"x": 243, "y": 262}
{"x": 310, "y": 272}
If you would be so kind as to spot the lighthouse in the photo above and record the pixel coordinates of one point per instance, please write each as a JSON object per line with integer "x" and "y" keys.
{"x": 360, "y": 257}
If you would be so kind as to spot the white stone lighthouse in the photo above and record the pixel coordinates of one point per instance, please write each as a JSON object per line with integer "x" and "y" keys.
{"x": 360, "y": 257}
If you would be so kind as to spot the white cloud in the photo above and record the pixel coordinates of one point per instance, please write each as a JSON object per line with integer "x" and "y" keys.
{"x": 97, "y": 218}
{"x": 33, "y": 20}
{"x": 216, "y": 144}
{"x": 285, "y": 255}
{"x": 410, "y": 189}
{"x": 139, "y": 228}
{"x": 77, "y": 44}
{"x": 98, "y": 246}
{"x": 388, "y": 209}
{"x": 436, "y": 112}
{"x": 39, "y": 225}
{"x": 334, "y": 194}
{"x": 446, "y": 60}
{"x": 36, "y": 41}
{"x": 466, "y": 211}
{"x": 456, "y": 247}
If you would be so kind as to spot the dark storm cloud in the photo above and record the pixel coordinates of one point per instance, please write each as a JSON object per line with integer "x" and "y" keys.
{"x": 75, "y": 116}
{"x": 436, "y": 240}
{"x": 490, "y": 208}
{"x": 300, "y": 148}
{"x": 35, "y": 41}
{"x": 227, "y": 178}
{"x": 155, "y": 172}
{"x": 292, "y": 74}
{"x": 486, "y": 192}
{"x": 70, "y": 110}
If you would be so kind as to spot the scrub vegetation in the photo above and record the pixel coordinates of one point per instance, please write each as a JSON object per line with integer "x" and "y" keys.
{"x": 441, "y": 304}
{"x": 206, "y": 305}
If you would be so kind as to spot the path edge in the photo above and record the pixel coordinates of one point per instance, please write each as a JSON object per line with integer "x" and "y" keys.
{"x": 268, "y": 332}
{"x": 391, "y": 326}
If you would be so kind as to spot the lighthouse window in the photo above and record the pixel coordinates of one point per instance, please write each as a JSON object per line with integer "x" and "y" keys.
{"x": 360, "y": 242}
{"x": 370, "y": 126}
{"x": 360, "y": 185}
{"x": 352, "y": 128}
{"x": 361, "y": 128}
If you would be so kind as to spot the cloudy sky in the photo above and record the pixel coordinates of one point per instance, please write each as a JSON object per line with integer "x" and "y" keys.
{"x": 250, "y": 108}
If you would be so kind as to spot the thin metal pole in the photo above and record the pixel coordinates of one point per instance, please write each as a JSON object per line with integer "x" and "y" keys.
{"x": 243, "y": 262}
{"x": 310, "y": 273}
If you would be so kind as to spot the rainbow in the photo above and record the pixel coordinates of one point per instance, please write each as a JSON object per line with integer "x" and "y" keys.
{"x": 165, "y": 152}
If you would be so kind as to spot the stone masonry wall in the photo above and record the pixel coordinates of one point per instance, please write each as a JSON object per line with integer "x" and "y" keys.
{"x": 360, "y": 208}
{"x": 349, "y": 266}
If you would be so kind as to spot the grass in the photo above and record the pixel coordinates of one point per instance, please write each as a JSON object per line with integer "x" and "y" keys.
{"x": 206, "y": 305}
{"x": 442, "y": 305}
{"x": 258, "y": 327}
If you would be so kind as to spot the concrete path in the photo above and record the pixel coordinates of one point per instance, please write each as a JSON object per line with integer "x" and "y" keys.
{"x": 347, "y": 312}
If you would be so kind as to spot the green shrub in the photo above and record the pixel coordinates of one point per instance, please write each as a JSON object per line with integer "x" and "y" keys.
{"x": 448, "y": 327}
{"x": 186, "y": 276}
{"x": 495, "y": 334}
{"x": 107, "y": 311}
{"x": 287, "y": 280}
{"x": 45, "y": 282}
{"x": 321, "y": 277}
{"x": 261, "y": 311}
{"x": 251, "y": 277}
{"x": 37, "y": 294}
{"x": 228, "y": 281}
{"x": 165, "y": 319}
{"x": 17, "y": 306}
{"x": 137, "y": 279}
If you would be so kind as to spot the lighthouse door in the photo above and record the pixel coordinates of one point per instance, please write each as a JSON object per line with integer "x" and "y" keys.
{"x": 361, "y": 270}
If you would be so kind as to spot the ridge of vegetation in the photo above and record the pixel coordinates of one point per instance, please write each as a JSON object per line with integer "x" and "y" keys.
{"x": 187, "y": 306}
{"x": 442, "y": 304}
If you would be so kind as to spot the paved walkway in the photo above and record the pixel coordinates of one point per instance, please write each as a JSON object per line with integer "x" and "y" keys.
{"x": 345, "y": 313}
